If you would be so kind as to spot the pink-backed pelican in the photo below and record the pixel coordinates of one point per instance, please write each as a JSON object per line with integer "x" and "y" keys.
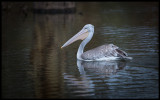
{"x": 104, "y": 52}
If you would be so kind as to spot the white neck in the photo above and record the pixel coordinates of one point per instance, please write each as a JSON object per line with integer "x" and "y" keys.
{"x": 83, "y": 44}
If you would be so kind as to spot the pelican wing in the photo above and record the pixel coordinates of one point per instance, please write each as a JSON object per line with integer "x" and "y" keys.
{"x": 106, "y": 50}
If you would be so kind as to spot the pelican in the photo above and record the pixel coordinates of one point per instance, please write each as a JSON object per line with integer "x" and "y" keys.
{"x": 101, "y": 53}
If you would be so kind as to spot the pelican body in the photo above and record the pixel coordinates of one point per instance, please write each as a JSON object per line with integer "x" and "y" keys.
{"x": 104, "y": 52}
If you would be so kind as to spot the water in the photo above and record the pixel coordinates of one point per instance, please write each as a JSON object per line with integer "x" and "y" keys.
{"x": 34, "y": 65}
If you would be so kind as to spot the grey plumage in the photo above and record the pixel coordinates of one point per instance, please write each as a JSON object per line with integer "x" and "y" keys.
{"x": 106, "y": 50}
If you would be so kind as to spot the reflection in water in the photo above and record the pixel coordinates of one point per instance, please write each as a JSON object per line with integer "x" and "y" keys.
{"x": 100, "y": 67}
{"x": 90, "y": 73}
{"x": 46, "y": 56}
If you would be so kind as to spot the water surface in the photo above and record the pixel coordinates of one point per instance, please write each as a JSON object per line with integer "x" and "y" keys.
{"x": 34, "y": 65}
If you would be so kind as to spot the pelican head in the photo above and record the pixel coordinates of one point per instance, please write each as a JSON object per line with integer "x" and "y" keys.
{"x": 81, "y": 35}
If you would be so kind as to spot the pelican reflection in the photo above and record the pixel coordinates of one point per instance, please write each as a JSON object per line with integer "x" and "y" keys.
{"x": 92, "y": 74}
{"x": 100, "y": 67}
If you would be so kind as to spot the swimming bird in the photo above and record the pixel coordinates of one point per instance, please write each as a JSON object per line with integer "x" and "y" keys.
{"x": 101, "y": 53}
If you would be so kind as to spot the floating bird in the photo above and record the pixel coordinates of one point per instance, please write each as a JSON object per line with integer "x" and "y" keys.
{"x": 101, "y": 53}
